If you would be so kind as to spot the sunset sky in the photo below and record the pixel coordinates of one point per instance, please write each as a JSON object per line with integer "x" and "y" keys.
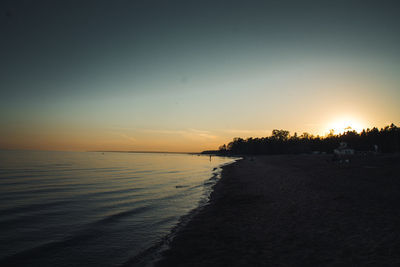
{"x": 191, "y": 75}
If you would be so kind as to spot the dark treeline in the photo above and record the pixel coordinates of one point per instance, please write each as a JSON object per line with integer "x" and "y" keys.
{"x": 281, "y": 142}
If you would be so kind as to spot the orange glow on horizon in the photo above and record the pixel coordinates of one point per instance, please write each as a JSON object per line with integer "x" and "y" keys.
{"x": 345, "y": 124}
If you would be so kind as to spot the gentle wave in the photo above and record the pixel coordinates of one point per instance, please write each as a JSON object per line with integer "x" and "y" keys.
{"x": 95, "y": 209}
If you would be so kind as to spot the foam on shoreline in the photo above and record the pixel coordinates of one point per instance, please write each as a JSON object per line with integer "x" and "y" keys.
{"x": 150, "y": 256}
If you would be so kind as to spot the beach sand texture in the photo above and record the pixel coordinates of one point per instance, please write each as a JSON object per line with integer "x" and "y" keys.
{"x": 300, "y": 210}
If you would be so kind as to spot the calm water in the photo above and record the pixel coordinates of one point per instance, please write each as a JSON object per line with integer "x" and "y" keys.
{"x": 94, "y": 209}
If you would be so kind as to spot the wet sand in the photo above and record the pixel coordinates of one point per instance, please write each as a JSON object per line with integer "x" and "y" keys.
{"x": 297, "y": 211}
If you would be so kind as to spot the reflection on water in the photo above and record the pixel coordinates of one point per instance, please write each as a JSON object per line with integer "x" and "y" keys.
{"x": 94, "y": 209}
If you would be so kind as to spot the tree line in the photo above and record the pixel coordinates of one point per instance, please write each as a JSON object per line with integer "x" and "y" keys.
{"x": 387, "y": 140}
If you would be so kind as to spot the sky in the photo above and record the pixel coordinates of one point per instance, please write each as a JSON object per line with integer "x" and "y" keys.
{"x": 190, "y": 75}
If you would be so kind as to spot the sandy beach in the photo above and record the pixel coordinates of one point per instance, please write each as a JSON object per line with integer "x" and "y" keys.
{"x": 300, "y": 210}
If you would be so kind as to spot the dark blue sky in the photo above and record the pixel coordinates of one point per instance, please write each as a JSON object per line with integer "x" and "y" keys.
{"x": 55, "y": 55}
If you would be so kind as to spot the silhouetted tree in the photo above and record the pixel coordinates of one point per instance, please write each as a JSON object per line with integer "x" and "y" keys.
{"x": 280, "y": 135}
{"x": 280, "y": 142}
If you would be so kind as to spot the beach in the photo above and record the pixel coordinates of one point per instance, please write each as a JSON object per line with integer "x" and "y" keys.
{"x": 297, "y": 210}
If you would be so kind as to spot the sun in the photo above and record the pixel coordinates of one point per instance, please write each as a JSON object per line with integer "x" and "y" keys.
{"x": 343, "y": 125}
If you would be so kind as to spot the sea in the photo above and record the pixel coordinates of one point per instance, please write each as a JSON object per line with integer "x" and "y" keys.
{"x": 98, "y": 208}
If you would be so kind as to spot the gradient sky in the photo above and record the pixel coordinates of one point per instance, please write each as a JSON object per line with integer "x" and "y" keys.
{"x": 191, "y": 75}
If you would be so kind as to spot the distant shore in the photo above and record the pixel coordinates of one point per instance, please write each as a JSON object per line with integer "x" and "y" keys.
{"x": 145, "y": 152}
{"x": 303, "y": 210}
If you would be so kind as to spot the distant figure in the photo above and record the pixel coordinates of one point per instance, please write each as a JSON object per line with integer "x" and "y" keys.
{"x": 376, "y": 149}
{"x": 210, "y": 157}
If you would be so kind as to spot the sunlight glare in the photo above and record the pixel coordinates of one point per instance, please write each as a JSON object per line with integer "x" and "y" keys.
{"x": 343, "y": 125}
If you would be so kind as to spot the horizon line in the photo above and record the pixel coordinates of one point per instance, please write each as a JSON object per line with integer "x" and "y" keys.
{"x": 113, "y": 151}
{"x": 144, "y": 151}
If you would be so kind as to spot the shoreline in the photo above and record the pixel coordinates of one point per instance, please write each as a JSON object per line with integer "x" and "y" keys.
{"x": 153, "y": 254}
{"x": 293, "y": 210}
